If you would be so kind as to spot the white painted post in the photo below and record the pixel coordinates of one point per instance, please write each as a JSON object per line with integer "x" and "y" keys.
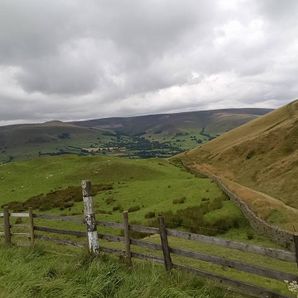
{"x": 90, "y": 217}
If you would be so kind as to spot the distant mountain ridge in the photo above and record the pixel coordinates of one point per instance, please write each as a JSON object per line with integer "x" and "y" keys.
{"x": 139, "y": 124}
{"x": 144, "y": 136}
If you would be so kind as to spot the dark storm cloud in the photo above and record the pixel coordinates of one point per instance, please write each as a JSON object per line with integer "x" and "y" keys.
{"x": 83, "y": 59}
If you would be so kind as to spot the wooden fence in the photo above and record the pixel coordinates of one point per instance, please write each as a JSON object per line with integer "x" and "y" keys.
{"x": 35, "y": 231}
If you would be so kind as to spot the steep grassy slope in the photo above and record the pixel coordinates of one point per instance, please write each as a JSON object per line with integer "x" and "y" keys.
{"x": 153, "y": 135}
{"x": 261, "y": 154}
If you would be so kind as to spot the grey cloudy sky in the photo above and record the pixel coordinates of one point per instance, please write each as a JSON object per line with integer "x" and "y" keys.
{"x": 76, "y": 59}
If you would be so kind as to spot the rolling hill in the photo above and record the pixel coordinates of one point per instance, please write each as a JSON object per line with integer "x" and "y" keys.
{"x": 261, "y": 155}
{"x": 143, "y": 136}
{"x": 214, "y": 122}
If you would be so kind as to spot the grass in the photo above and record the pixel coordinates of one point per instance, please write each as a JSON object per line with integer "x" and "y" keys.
{"x": 52, "y": 185}
{"x": 261, "y": 155}
{"x": 249, "y": 258}
{"x": 145, "y": 187}
{"x": 41, "y": 273}
{"x": 141, "y": 186}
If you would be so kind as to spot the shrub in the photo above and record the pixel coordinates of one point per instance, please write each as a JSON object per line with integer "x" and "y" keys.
{"x": 192, "y": 219}
{"x": 62, "y": 198}
{"x": 68, "y": 204}
{"x": 110, "y": 200}
{"x": 19, "y": 220}
{"x": 250, "y": 154}
{"x": 150, "y": 214}
{"x": 179, "y": 200}
{"x": 134, "y": 234}
{"x": 118, "y": 207}
{"x": 172, "y": 220}
{"x": 100, "y": 211}
{"x": 215, "y": 204}
{"x": 249, "y": 235}
{"x": 222, "y": 225}
{"x": 134, "y": 208}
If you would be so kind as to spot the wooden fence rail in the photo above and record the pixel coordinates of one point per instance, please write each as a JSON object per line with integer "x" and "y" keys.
{"x": 33, "y": 231}
{"x": 265, "y": 251}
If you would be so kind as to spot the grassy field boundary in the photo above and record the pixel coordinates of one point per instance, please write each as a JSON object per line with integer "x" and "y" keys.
{"x": 283, "y": 237}
{"x": 164, "y": 247}
{"x": 277, "y": 234}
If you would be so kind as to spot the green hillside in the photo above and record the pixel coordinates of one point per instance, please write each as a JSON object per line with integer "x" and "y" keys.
{"x": 145, "y": 136}
{"x": 144, "y": 187}
{"x": 262, "y": 155}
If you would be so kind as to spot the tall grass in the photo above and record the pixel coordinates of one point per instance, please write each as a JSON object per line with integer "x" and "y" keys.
{"x": 30, "y": 273}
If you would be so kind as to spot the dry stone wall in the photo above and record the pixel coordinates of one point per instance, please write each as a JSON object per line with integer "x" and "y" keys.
{"x": 276, "y": 234}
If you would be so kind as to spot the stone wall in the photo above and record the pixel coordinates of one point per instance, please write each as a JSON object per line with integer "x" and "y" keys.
{"x": 276, "y": 234}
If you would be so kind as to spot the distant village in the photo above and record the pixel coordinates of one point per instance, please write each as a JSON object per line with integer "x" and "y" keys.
{"x": 103, "y": 149}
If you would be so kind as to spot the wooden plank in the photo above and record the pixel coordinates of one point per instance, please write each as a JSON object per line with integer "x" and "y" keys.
{"x": 111, "y": 250}
{"x": 110, "y": 224}
{"x": 19, "y": 214}
{"x": 58, "y": 231}
{"x": 59, "y": 218}
{"x": 254, "y": 269}
{"x": 147, "y": 257}
{"x": 59, "y": 241}
{"x": 31, "y": 226}
{"x": 6, "y": 221}
{"x": 143, "y": 229}
{"x": 246, "y": 288}
{"x": 111, "y": 238}
{"x": 146, "y": 244}
{"x": 164, "y": 243}
{"x": 89, "y": 218}
{"x": 126, "y": 238}
{"x": 269, "y": 252}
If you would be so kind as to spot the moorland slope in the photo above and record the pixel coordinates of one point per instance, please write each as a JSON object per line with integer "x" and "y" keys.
{"x": 261, "y": 155}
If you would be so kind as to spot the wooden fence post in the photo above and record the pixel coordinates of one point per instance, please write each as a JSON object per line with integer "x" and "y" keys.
{"x": 164, "y": 243}
{"x": 126, "y": 238}
{"x": 90, "y": 217}
{"x": 31, "y": 226}
{"x": 296, "y": 247}
{"x": 7, "y": 234}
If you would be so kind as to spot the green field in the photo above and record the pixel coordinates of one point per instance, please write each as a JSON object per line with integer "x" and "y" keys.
{"x": 145, "y": 187}
{"x": 142, "y": 185}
